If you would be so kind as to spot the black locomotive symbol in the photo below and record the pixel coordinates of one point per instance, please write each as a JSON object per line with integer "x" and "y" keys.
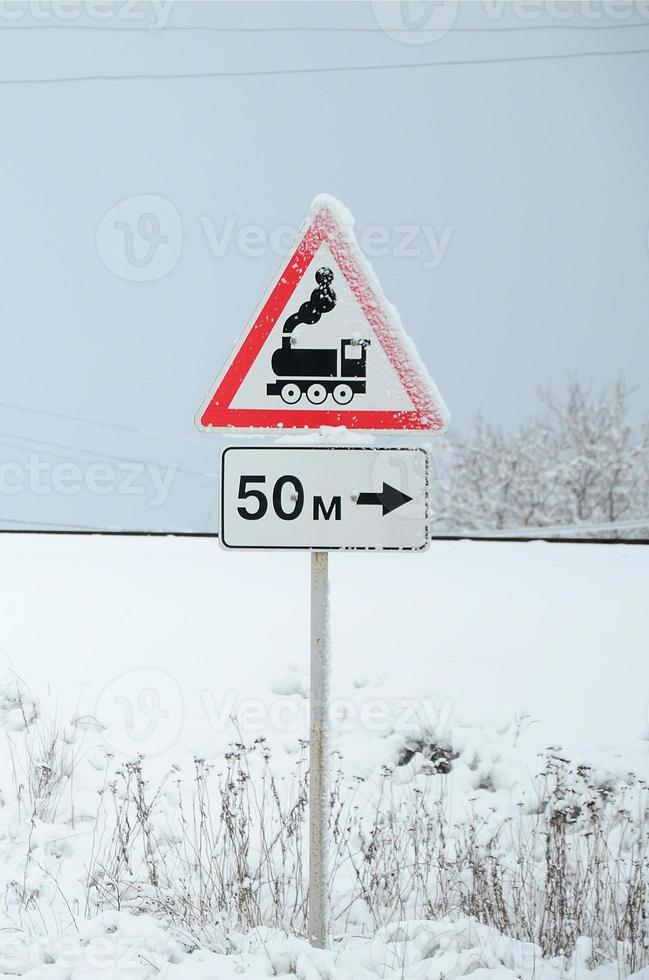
{"x": 313, "y": 372}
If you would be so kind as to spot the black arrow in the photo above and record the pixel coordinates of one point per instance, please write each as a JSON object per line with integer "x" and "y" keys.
{"x": 389, "y": 499}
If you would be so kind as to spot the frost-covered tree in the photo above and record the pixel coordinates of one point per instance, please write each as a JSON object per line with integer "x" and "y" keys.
{"x": 580, "y": 462}
{"x": 491, "y": 480}
{"x": 595, "y": 456}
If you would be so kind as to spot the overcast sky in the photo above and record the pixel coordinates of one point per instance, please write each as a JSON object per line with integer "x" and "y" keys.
{"x": 504, "y": 206}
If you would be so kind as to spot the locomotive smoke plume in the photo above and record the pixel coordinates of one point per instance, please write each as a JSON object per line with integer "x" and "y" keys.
{"x": 322, "y": 300}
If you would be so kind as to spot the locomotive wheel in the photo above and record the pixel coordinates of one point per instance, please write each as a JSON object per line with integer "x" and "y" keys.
{"x": 291, "y": 393}
{"x": 316, "y": 394}
{"x": 343, "y": 394}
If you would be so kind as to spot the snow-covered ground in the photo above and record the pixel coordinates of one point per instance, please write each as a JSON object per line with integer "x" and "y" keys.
{"x": 150, "y": 646}
{"x": 557, "y": 631}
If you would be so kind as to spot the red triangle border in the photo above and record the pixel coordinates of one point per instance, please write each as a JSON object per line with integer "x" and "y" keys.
{"x": 218, "y": 415}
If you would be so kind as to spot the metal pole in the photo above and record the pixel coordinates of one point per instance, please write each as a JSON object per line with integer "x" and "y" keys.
{"x": 318, "y": 924}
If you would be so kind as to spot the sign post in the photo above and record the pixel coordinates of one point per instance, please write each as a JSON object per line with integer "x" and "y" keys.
{"x": 324, "y": 350}
{"x": 318, "y": 922}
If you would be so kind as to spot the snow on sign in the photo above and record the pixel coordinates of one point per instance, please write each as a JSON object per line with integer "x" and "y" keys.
{"x": 325, "y": 347}
{"x": 324, "y": 498}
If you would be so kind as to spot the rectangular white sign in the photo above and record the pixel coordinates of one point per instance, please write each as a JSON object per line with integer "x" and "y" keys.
{"x": 325, "y": 498}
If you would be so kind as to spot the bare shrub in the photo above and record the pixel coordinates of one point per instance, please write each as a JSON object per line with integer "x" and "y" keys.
{"x": 572, "y": 862}
{"x": 43, "y": 753}
{"x": 233, "y": 857}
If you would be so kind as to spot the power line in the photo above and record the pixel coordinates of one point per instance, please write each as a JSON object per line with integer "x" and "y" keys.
{"x": 86, "y": 530}
{"x": 98, "y": 422}
{"x": 78, "y": 528}
{"x": 517, "y": 533}
{"x": 521, "y": 539}
{"x": 328, "y": 69}
{"x": 96, "y": 454}
{"x": 336, "y": 29}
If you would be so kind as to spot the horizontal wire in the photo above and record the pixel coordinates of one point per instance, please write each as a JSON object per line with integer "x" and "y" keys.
{"x": 85, "y": 528}
{"x": 517, "y": 532}
{"x": 335, "y": 29}
{"x": 97, "y": 454}
{"x": 327, "y": 69}
{"x": 195, "y": 440}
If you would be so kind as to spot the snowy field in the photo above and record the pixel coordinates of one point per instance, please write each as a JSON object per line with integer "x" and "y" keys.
{"x": 151, "y": 646}
{"x": 557, "y": 631}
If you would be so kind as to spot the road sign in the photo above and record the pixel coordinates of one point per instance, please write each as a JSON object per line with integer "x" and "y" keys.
{"x": 324, "y": 347}
{"x": 325, "y": 498}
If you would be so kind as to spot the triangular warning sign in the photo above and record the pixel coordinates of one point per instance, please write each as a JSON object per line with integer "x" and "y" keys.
{"x": 325, "y": 348}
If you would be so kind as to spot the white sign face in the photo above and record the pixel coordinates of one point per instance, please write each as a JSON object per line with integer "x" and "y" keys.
{"x": 332, "y": 362}
{"x": 324, "y": 347}
{"x": 325, "y": 498}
